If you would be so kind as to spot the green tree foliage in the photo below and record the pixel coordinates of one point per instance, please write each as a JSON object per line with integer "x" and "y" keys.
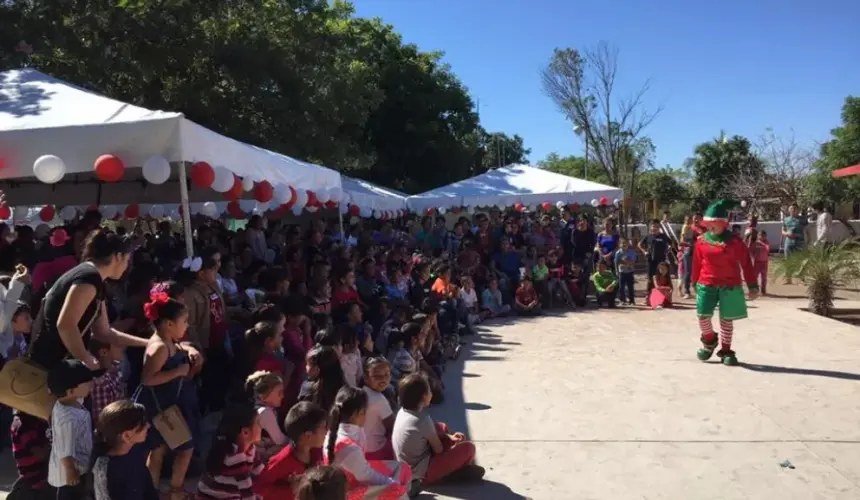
{"x": 718, "y": 163}
{"x": 498, "y": 150}
{"x": 664, "y": 185}
{"x": 842, "y": 150}
{"x": 574, "y": 166}
{"x": 302, "y": 77}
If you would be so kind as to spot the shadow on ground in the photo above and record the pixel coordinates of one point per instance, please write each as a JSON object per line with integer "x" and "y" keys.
{"x": 800, "y": 371}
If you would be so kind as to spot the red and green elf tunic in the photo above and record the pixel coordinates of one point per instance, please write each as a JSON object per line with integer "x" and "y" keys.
{"x": 721, "y": 263}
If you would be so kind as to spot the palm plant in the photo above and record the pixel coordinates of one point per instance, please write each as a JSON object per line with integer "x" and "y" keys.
{"x": 823, "y": 270}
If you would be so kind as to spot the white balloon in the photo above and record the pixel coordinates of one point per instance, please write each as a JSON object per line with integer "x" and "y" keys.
{"x": 156, "y": 170}
{"x": 297, "y": 211}
{"x": 261, "y": 208}
{"x": 156, "y": 211}
{"x": 312, "y": 209}
{"x": 344, "y": 208}
{"x": 247, "y": 183}
{"x": 68, "y": 213}
{"x": 616, "y": 202}
{"x": 595, "y": 202}
{"x": 109, "y": 211}
{"x": 209, "y": 209}
{"x": 366, "y": 212}
{"x": 559, "y": 205}
{"x": 336, "y": 194}
{"x": 49, "y": 169}
{"x": 175, "y": 215}
{"x": 223, "y": 179}
{"x": 282, "y": 194}
{"x": 375, "y": 214}
{"x": 323, "y": 195}
{"x": 442, "y": 210}
{"x": 20, "y": 213}
{"x": 301, "y": 198}
{"x": 743, "y": 203}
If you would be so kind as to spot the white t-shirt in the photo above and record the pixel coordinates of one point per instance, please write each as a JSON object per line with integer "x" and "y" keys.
{"x": 378, "y": 410}
{"x": 470, "y": 298}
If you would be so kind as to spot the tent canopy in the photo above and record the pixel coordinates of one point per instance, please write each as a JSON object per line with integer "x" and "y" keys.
{"x": 513, "y": 184}
{"x": 42, "y": 115}
{"x": 366, "y": 194}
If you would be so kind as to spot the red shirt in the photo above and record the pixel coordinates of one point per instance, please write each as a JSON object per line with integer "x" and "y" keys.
{"x": 217, "y": 321}
{"x": 270, "y": 363}
{"x": 344, "y": 296}
{"x": 282, "y": 473}
{"x": 526, "y": 297}
{"x": 720, "y": 263}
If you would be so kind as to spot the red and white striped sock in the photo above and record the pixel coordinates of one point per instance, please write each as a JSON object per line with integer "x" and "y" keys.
{"x": 727, "y": 328}
{"x": 707, "y": 329}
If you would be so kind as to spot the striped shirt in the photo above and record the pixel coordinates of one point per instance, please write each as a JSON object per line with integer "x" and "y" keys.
{"x": 30, "y": 446}
{"x": 72, "y": 432}
{"x": 234, "y": 480}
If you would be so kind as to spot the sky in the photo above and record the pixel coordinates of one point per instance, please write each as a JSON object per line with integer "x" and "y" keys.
{"x": 737, "y": 65}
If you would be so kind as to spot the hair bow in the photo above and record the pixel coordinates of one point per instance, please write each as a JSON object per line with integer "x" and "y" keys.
{"x": 193, "y": 264}
{"x": 156, "y": 298}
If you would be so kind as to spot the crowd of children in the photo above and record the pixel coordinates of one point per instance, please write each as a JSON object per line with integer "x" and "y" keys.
{"x": 314, "y": 355}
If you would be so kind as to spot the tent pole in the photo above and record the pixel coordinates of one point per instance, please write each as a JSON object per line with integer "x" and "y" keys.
{"x": 186, "y": 210}
{"x": 340, "y": 220}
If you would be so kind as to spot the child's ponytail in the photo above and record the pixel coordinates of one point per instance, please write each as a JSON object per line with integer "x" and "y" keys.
{"x": 348, "y": 402}
{"x": 236, "y": 417}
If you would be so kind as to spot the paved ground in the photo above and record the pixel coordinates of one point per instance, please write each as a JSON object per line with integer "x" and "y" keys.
{"x": 614, "y": 405}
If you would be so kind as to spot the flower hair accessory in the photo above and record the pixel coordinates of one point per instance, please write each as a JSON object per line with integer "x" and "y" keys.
{"x": 156, "y": 299}
{"x": 193, "y": 264}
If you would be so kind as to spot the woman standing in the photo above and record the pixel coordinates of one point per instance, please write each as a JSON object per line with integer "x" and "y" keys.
{"x": 74, "y": 307}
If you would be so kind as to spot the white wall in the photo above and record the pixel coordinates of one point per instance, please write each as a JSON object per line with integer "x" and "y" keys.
{"x": 838, "y": 232}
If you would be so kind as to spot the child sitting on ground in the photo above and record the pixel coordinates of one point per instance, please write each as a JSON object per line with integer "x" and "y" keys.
{"x": 491, "y": 300}
{"x": 661, "y": 294}
{"x": 555, "y": 283}
{"x": 322, "y": 483}
{"x": 427, "y": 448}
{"x": 232, "y": 464}
{"x": 266, "y": 390}
{"x": 345, "y": 448}
{"x": 71, "y": 429}
{"x": 325, "y": 377}
{"x": 468, "y": 300}
{"x": 605, "y": 285}
{"x": 577, "y": 284}
{"x": 526, "y": 299}
{"x": 540, "y": 277}
{"x": 306, "y": 428}
{"x": 120, "y": 470}
{"x": 380, "y": 417}
{"x": 350, "y": 357}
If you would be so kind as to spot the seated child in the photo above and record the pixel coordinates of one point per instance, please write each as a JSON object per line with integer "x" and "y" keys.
{"x": 491, "y": 300}
{"x": 605, "y": 284}
{"x": 266, "y": 390}
{"x": 661, "y": 294}
{"x": 393, "y": 324}
{"x": 322, "y": 483}
{"x": 120, "y": 469}
{"x": 577, "y": 283}
{"x": 232, "y": 464}
{"x": 380, "y": 417}
{"x": 468, "y": 300}
{"x": 350, "y": 357}
{"x": 306, "y": 428}
{"x": 71, "y": 429}
{"x": 400, "y": 350}
{"x": 426, "y": 447}
{"x": 345, "y": 445}
{"x": 31, "y": 449}
{"x": 526, "y": 299}
{"x": 556, "y": 283}
{"x": 325, "y": 377}
{"x": 540, "y": 278}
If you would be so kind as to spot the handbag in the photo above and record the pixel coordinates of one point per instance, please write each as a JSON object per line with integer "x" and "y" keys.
{"x": 170, "y": 423}
{"x": 24, "y": 384}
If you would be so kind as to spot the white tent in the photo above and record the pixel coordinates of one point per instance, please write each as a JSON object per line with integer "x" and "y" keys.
{"x": 42, "y": 115}
{"x": 369, "y": 195}
{"x": 513, "y": 184}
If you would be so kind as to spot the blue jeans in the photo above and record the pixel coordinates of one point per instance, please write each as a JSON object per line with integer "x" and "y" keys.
{"x": 688, "y": 269}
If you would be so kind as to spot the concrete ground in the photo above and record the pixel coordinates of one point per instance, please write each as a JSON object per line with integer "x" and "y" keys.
{"x": 600, "y": 404}
{"x": 615, "y": 405}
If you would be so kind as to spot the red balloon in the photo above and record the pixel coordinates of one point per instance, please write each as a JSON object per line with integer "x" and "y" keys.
{"x": 574, "y": 207}
{"x": 132, "y": 211}
{"x": 546, "y": 206}
{"x": 519, "y": 207}
{"x": 263, "y": 192}
{"x": 202, "y": 175}
{"x": 331, "y": 204}
{"x": 109, "y": 168}
{"x": 5, "y": 212}
{"x": 235, "y": 192}
{"x": 430, "y": 211}
{"x": 604, "y": 201}
{"x": 354, "y": 210}
{"x": 47, "y": 213}
{"x": 312, "y": 200}
{"x": 235, "y": 210}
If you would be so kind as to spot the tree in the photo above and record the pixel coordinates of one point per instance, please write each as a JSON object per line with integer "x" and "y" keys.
{"x": 582, "y": 85}
{"x": 301, "y": 77}
{"x": 498, "y": 150}
{"x": 662, "y": 185}
{"x": 842, "y": 150}
{"x": 718, "y": 163}
{"x": 574, "y": 166}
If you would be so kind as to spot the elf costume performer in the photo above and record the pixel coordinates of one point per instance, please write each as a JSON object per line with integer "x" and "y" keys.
{"x": 719, "y": 257}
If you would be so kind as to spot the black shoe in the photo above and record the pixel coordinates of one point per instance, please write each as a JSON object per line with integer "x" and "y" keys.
{"x": 470, "y": 472}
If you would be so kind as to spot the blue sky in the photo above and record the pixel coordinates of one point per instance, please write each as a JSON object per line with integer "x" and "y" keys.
{"x": 738, "y": 65}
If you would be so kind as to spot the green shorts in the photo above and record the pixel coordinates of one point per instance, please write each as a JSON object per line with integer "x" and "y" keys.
{"x": 732, "y": 301}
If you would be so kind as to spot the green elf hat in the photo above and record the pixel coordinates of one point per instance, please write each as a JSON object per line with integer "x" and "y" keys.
{"x": 719, "y": 210}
